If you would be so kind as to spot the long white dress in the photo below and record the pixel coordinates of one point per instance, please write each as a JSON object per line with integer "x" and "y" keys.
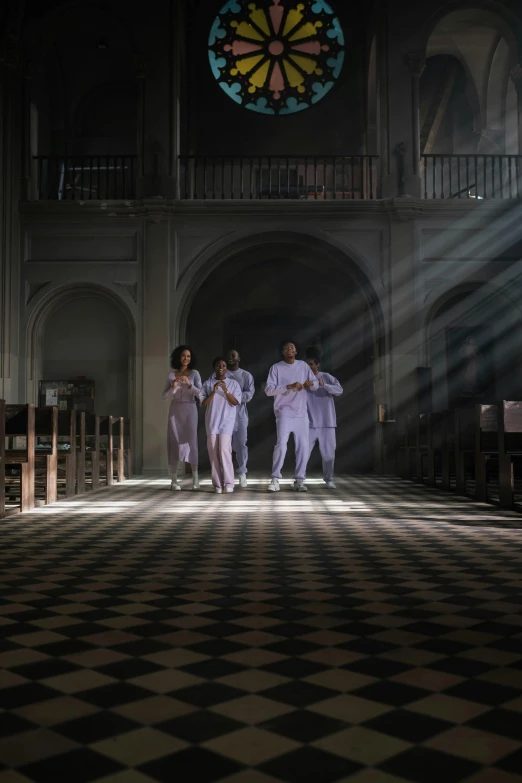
{"x": 182, "y": 435}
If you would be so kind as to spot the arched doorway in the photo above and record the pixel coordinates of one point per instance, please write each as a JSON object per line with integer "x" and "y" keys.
{"x": 473, "y": 344}
{"x": 280, "y": 290}
{"x": 85, "y": 331}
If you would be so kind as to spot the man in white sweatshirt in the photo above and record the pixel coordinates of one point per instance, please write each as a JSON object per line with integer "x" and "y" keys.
{"x": 287, "y": 383}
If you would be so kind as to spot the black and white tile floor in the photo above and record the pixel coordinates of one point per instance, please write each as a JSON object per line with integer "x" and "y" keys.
{"x": 370, "y": 634}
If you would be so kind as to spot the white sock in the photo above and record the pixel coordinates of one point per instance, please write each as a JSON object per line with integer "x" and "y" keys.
{"x": 174, "y": 472}
{"x": 194, "y": 471}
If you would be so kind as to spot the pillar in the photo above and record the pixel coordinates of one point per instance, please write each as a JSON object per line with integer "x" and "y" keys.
{"x": 159, "y": 101}
{"x": 416, "y": 63}
{"x": 516, "y": 78}
{"x": 10, "y": 178}
{"x": 156, "y": 342}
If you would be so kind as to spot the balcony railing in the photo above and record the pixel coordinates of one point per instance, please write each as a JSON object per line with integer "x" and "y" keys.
{"x": 472, "y": 176}
{"x": 279, "y": 177}
{"x": 85, "y": 177}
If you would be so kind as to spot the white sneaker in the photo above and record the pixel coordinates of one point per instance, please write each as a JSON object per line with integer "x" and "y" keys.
{"x": 195, "y": 482}
{"x": 229, "y": 489}
{"x": 330, "y": 485}
{"x": 299, "y": 486}
{"x": 218, "y": 490}
{"x": 274, "y": 485}
{"x": 174, "y": 485}
{"x": 242, "y": 480}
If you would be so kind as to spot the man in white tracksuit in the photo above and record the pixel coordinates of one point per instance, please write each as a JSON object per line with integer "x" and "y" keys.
{"x": 321, "y": 414}
{"x": 240, "y": 435}
{"x": 288, "y": 382}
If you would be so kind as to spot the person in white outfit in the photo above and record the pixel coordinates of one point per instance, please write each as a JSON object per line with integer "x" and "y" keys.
{"x": 220, "y": 397}
{"x": 240, "y": 434}
{"x": 288, "y": 382}
{"x": 321, "y": 414}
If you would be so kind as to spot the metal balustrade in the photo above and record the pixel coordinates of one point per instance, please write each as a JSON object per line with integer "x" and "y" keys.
{"x": 303, "y": 177}
{"x": 472, "y": 176}
{"x": 279, "y": 177}
{"x": 84, "y": 177}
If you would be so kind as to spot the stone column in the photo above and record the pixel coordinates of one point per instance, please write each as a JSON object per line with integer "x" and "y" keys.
{"x": 158, "y": 99}
{"x": 156, "y": 341}
{"x": 403, "y": 71}
{"x": 516, "y": 78}
{"x": 416, "y": 63}
{"x": 10, "y": 155}
{"x": 406, "y": 331}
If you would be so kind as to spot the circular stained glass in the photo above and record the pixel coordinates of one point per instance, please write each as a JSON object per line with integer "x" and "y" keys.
{"x": 276, "y": 56}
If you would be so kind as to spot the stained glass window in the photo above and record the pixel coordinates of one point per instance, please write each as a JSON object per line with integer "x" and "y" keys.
{"x": 276, "y": 56}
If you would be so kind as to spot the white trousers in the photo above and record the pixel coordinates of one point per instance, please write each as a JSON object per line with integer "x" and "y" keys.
{"x": 239, "y": 445}
{"x": 299, "y": 427}
{"x": 220, "y": 454}
{"x": 325, "y": 437}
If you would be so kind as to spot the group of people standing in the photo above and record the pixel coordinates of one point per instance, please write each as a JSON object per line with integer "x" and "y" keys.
{"x": 303, "y": 406}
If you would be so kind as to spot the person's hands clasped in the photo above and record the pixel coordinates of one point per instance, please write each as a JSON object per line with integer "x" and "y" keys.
{"x": 295, "y": 386}
{"x": 308, "y": 384}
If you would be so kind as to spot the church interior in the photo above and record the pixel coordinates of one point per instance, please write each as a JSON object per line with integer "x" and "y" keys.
{"x": 244, "y": 175}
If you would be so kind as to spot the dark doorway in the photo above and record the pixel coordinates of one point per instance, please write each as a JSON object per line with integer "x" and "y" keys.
{"x": 252, "y": 303}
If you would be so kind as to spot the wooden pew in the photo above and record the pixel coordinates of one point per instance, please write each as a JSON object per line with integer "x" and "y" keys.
{"x": 464, "y": 445}
{"x": 386, "y": 441}
{"x": 439, "y": 449}
{"x": 407, "y": 445}
{"x": 509, "y": 448}
{"x": 448, "y": 457}
{"x": 67, "y": 452}
{"x": 80, "y": 452}
{"x": 92, "y": 450}
{"x": 19, "y": 422}
{"x": 423, "y": 450}
{"x": 129, "y": 448}
{"x": 46, "y": 458}
{"x": 107, "y": 450}
{"x": 119, "y": 447}
{"x": 486, "y": 446}
{"x": 2, "y": 459}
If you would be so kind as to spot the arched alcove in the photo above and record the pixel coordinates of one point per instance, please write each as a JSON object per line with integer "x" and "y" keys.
{"x": 449, "y": 107}
{"x": 279, "y": 290}
{"x": 85, "y": 331}
{"x": 474, "y": 328}
{"x": 484, "y": 40}
{"x": 77, "y": 50}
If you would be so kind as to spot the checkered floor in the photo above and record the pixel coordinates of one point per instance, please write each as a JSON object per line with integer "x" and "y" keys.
{"x": 372, "y": 633}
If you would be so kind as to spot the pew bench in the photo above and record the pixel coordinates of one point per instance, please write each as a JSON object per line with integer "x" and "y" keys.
{"x": 92, "y": 451}
{"x": 67, "y": 453}
{"x": 509, "y": 450}
{"x": 2, "y": 459}
{"x": 46, "y": 454}
{"x": 20, "y": 458}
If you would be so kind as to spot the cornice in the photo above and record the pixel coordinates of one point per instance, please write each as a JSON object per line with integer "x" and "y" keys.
{"x": 155, "y": 210}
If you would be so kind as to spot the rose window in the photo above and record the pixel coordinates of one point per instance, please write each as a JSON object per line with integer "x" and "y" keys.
{"x": 276, "y": 56}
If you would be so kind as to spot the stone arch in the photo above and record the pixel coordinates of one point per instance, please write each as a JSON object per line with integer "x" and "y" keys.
{"x": 51, "y": 57}
{"x": 347, "y": 260}
{"x": 349, "y": 321}
{"x": 487, "y": 40}
{"x": 47, "y": 305}
{"x": 490, "y": 14}
{"x": 467, "y": 305}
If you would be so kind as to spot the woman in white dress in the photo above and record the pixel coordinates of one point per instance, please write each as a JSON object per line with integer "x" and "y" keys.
{"x": 182, "y": 387}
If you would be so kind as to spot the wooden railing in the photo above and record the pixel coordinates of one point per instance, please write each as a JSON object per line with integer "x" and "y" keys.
{"x": 472, "y": 176}
{"x": 84, "y": 177}
{"x": 279, "y": 177}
